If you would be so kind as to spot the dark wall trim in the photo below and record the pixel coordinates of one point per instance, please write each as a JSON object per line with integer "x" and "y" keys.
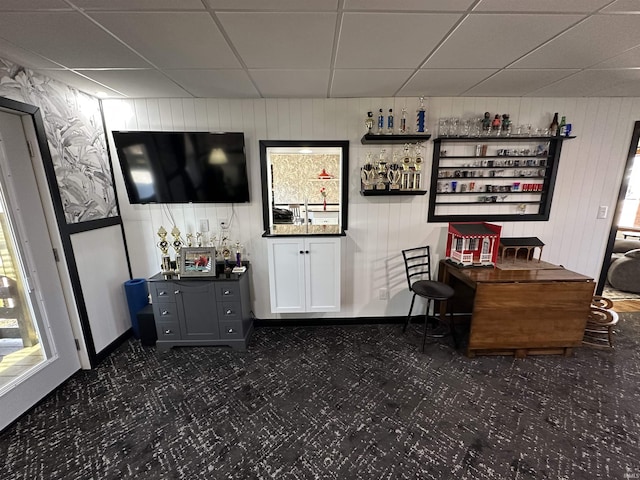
{"x": 72, "y": 228}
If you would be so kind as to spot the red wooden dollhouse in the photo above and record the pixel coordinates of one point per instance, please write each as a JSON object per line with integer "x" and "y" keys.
{"x": 473, "y": 243}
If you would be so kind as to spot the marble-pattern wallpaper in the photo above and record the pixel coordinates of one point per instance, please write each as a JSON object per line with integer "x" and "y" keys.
{"x": 295, "y": 178}
{"x": 75, "y": 134}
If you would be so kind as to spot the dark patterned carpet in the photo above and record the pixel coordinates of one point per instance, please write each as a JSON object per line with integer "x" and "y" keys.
{"x": 357, "y": 402}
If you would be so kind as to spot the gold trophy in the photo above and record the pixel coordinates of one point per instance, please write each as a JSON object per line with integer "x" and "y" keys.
{"x": 367, "y": 174}
{"x": 177, "y": 246}
{"x": 406, "y": 176}
{"x": 381, "y": 183}
{"x": 189, "y": 239}
{"x": 417, "y": 165}
{"x": 163, "y": 245}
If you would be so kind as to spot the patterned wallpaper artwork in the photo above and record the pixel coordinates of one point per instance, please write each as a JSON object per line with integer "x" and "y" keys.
{"x": 75, "y": 134}
{"x": 295, "y": 178}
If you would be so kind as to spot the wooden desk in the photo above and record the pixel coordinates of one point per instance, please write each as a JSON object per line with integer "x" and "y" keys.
{"x": 521, "y": 312}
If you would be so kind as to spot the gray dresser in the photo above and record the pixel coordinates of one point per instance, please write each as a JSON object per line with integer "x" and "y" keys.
{"x": 202, "y": 311}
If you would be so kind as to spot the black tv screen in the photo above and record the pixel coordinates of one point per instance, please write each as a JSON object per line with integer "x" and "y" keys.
{"x": 183, "y": 167}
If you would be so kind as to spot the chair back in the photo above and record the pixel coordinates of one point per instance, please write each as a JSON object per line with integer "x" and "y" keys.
{"x": 417, "y": 264}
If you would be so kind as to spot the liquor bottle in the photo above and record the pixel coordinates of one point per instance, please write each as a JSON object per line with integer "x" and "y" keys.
{"x": 390, "y": 122}
{"x": 380, "y": 121}
{"x": 563, "y": 127}
{"x": 368, "y": 122}
{"x": 553, "y": 128}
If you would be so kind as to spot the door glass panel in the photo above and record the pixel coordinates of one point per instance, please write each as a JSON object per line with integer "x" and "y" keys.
{"x": 20, "y": 345}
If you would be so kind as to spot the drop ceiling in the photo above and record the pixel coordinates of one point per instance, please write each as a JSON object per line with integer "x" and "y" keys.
{"x": 328, "y": 48}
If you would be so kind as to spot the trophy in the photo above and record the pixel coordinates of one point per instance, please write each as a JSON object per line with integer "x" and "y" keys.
{"x": 367, "y": 174}
{"x": 403, "y": 122}
{"x": 199, "y": 239}
{"x": 394, "y": 176}
{"x": 189, "y": 239}
{"x": 177, "y": 245}
{"x": 406, "y": 176}
{"x": 417, "y": 165}
{"x": 368, "y": 122}
{"x": 381, "y": 183}
{"x": 421, "y": 117}
{"x": 163, "y": 245}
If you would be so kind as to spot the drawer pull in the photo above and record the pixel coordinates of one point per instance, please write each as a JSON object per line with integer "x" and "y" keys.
{"x": 226, "y": 292}
{"x": 164, "y": 312}
{"x": 229, "y": 312}
{"x": 231, "y": 330}
{"x": 177, "y": 292}
{"x": 162, "y": 293}
{"x": 168, "y": 331}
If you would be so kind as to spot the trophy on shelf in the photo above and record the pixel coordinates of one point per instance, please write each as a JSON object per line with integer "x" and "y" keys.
{"x": 189, "y": 239}
{"x": 403, "y": 122}
{"x": 394, "y": 176}
{"x": 406, "y": 176}
{"x": 163, "y": 245}
{"x": 199, "y": 239}
{"x": 417, "y": 165}
{"x": 381, "y": 183}
{"x": 177, "y": 245}
{"x": 421, "y": 118}
{"x": 367, "y": 173}
{"x": 368, "y": 123}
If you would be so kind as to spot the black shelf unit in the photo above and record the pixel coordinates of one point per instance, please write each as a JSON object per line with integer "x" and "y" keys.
{"x": 380, "y": 193}
{"x": 371, "y": 138}
{"x": 545, "y": 196}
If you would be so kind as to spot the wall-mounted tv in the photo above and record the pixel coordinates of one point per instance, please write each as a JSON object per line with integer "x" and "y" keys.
{"x": 183, "y": 167}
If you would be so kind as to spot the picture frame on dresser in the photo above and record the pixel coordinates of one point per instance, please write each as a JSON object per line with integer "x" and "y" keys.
{"x": 197, "y": 262}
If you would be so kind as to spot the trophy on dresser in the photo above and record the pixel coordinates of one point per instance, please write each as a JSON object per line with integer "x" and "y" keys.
{"x": 177, "y": 246}
{"x": 367, "y": 174}
{"x": 163, "y": 245}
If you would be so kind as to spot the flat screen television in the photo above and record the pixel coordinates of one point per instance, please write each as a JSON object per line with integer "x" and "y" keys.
{"x": 183, "y": 167}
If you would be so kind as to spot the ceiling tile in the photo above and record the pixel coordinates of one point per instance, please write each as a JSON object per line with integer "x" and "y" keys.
{"x": 139, "y": 4}
{"x": 67, "y": 38}
{"x": 443, "y": 83}
{"x": 291, "y": 83}
{"x": 517, "y": 83}
{"x": 623, "y": 6}
{"x": 472, "y": 46}
{"x": 276, "y": 5}
{"x": 366, "y": 42}
{"x": 24, "y": 57}
{"x": 590, "y": 83}
{"x": 172, "y": 40}
{"x": 413, "y": 5}
{"x": 79, "y": 82}
{"x": 33, "y": 5}
{"x": 215, "y": 83}
{"x": 627, "y": 86}
{"x": 628, "y": 59}
{"x": 137, "y": 83}
{"x": 281, "y": 40}
{"x": 586, "y": 44}
{"x": 572, "y": 6}
{"x": 368, "y": 83}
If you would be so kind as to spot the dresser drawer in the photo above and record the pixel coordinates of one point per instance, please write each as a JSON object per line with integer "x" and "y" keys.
{"x": 168, "y": 330}
{"x": 165, "y": 312}
{"x": 163, "y": 291}
{"x": 231, "y": 330}
{"x": 227, "y": 291}
{"x": 229, "y": 311}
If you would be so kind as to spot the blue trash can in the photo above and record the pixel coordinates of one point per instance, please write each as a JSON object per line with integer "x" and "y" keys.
{"x": 137, "y": 293}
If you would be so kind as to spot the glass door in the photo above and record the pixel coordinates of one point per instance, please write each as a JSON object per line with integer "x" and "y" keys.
{"x": 37, "y": 348}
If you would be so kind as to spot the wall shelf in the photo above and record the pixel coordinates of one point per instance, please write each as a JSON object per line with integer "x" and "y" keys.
{"x": 370, "y": 138}
{"x": 380, "y": 193}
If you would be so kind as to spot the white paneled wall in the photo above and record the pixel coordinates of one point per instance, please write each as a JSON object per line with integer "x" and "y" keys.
{"x": 590, "y": 173}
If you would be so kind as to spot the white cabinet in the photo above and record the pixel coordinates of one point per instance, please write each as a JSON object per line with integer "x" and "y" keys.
{"x": 304, "y": 274}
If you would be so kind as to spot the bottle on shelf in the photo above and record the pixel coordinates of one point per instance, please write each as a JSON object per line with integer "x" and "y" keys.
{"x": 553, "y": 128}
{"x": 380, "y": 121}
{"x": 390, "y": 122}
{"x": 562, "y": 127}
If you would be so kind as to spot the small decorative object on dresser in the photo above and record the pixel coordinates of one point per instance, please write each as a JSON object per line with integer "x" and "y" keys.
{"x": 198, "y": 262}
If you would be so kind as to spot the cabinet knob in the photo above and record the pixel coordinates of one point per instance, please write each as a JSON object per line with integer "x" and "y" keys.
{"x": 176, "y": 292}
{"x": 162, "y": 293}
{"x": 168, "y": 331}
{"x": 229, "y": 312}
{"x": 164, "y": 312}
{"x": 226, "y": 292}
{"x": 301, "y": 252}
{"x": 306, "y": 251}
{"x": 231, "y": 330}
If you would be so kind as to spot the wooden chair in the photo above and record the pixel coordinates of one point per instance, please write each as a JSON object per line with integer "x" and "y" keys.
{"x": 602, "y": 319}
{"x": 417, "y": 262}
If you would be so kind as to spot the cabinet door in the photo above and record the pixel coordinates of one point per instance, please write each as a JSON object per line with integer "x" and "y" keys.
{"x": 197, "y": 312}
{"x": 286, "y": 275}
{"x": 322, "y": 268}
